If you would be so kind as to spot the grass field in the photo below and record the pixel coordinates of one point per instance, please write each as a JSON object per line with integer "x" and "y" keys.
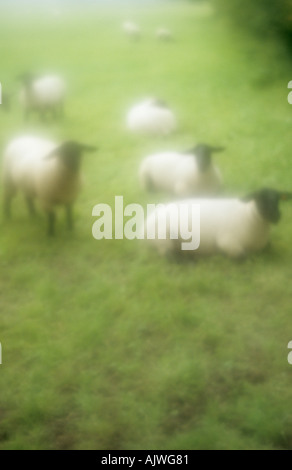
{"x": 105, "y": 346}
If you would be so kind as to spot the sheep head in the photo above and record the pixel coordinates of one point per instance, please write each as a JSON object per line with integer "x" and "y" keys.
{"x": 203, "y": 155}
{"x": 267, "y": 202}
{"x": 70, "y": 153}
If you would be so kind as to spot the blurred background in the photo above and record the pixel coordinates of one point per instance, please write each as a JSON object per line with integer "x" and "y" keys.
{"x": 105, "y": 345}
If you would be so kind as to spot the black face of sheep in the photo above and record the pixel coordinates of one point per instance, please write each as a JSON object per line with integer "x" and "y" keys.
{"x": 70, "y": 153}
{"x": 267, "y": 201}
{"x": 203, "y": 155}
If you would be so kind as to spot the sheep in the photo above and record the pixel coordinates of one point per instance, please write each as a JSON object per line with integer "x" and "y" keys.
{"x": 42, "y": 94}
{"x": 132, "y": 30}
{"x": 45, "y": 170}
{"x": 182, "y": 174}
{"x": 164, "y": 34}
{"x": 151, "y": 117}
{"x": 234, "y": 227}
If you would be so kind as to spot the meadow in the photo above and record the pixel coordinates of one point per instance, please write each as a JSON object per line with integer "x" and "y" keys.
{"x": 105, "y": 345}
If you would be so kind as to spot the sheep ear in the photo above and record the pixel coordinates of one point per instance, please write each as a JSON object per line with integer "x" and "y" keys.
{"x": 217, "y": 149}
{"x": 87, "y": 148}
{"x": 285, "y": 196}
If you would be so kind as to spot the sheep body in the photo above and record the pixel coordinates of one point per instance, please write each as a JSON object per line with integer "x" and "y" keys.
{"x": 178, "y": 174}
{"x": 231, "y": 226}
{"x": 151, "y": 117}
{"x": 43, "y": 94}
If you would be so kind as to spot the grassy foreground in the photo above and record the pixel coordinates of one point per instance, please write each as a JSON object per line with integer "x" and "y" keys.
{"x": 105, "y": 346}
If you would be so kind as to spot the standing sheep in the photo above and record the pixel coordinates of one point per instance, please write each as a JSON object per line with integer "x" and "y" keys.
{"x": 44, "y": 170}
{"x": 234, "y": 227}
{"x": 42, "y": 94}
{"x": 182, "y": 174}
{"x": 151, "y": 117}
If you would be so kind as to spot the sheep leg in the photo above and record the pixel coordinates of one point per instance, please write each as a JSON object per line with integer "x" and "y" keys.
{"x": 59, "y": 111}
{"x": 51, "y": 223}
{"x": 55, "y": 113}
{"x": 69, "y": 214}
{"x": 31, "y": 206}
{"x": 43, "y": 115}
{"x": 26, "y": 114}
{"x": 9, "y": 192}
{"x": 7, "y": 206}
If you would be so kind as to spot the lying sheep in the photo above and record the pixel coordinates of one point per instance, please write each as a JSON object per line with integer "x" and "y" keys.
{"x": 44, "y": 170}
{"x": 44, "y": 95}
{"x": 151, "y": 117}
{"x": 232, "y": 226}
{"x": 131, "y": 30}
{"x": 182, "y": 174}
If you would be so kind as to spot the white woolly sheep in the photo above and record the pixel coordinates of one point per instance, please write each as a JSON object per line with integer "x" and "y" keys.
{"x": 132, "y": 30}
{"x": 151, "y": 117}
{"x": 164, "y": 34}
{"x": 42, "y": 94}
{"x": 231, "y": 226}
{"x": 182, "y": 174}
{"x": 44, "y": 170}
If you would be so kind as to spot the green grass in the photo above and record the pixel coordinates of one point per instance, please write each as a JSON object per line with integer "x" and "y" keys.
{"x": 105, "y": 346}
